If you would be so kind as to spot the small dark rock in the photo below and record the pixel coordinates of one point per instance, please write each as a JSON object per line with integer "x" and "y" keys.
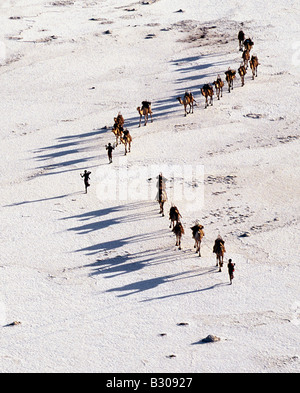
{"x": 210, "y": 339}
{"x": 245, "y": 234}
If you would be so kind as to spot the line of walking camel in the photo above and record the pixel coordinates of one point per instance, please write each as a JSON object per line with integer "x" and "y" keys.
{"x": 188, "y": 101}
{"x": 245, "y": 45}
{"x": 178, "y": 229}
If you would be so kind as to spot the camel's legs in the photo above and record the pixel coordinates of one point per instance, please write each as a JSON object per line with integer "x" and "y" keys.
{"x": 161, "y": 205}
{"x": 179, "y": 243}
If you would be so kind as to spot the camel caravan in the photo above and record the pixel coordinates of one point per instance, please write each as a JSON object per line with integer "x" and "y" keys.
{"x": 197, "y": 234}
{"x": 207, "y": 91}
{"x": 123, "y": 136}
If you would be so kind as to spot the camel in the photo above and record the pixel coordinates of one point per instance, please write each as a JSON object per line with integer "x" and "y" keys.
{"x": 219, "y": 250}
{"x": 119, "y": 120}
{"x": 253, "y": 65}
{"x": 242, "y": 71}
{"x": 188, "y": 99}
{"x": 207, "y": 91}
{"x": 197, "y": 236}
{"x": 126, "y": 139}
{"x": 174, "y": 216}
{"x": 118, "y": 131}
{"x": 145, "y": 111}
{"x": 230, "y": 76}
{"x": 118, "y": 127}
{"x": 241, "y": 38}
{"x": 248, "y": 44}
{"x": 246, "y": 57}
{"x": 219, "y": 84}
{"x": 179, "y": 231}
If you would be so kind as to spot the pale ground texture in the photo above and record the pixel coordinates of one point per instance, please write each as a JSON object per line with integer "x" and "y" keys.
{"x": 95, "y": 279}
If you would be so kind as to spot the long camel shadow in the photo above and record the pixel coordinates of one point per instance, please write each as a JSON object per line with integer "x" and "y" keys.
{"x": 122, "y": 264}
{"x": 189, "y": 292}
{"x": 146, "y": 285}
{"x": 120, "y": 242}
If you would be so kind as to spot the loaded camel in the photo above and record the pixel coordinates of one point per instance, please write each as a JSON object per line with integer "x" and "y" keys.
{"x": 198, "y": 235}
{"x": 219, "y": 84}
{"x": 188, "y": 100}
{"x": 246, "y": 57}
{"x": 145, "y": 111}
{"x": 118, "y": 127}
{"x": 242, "y": 72}
{"x": 248, "y": 44}
{"x": 219, "y": 250}
{"x": 253, "y": 65}
{"x": 126, "y": 139}
{"x": 118, "y": 131}
{"x": 230, "y": 76}
{"x": 174, "y": 216}
{"x": 179, "y": 231}
{"x": 207, "y": 91}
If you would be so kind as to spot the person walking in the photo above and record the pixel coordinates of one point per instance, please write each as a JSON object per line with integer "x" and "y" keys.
{"x": 86, "y": 177}
{"x": 230, "y": 270}
{"x": 109, "y": 149}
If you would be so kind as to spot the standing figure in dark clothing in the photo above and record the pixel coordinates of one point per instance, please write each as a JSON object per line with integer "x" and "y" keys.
{"x": 109, "y": 149}
{"x": 162, "y": 194}
{"x": 86, "y": 178}
{"x": 230, "y": 270}
{"x": 241, "y": 38}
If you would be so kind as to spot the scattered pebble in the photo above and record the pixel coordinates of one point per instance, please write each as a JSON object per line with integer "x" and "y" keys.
{"x": 210, "y": 339}
{"x": 245, "y": 234}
